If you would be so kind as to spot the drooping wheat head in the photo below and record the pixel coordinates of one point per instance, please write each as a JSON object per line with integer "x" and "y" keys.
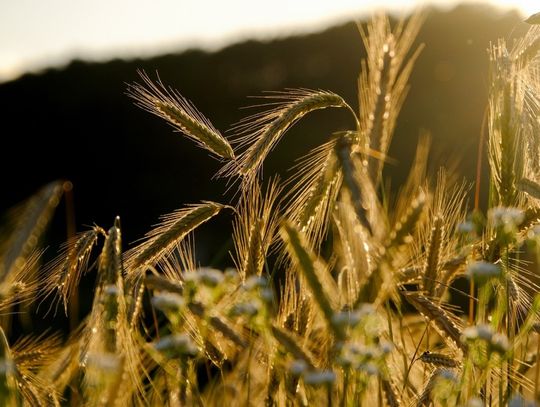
{"x": 170, "y": 105}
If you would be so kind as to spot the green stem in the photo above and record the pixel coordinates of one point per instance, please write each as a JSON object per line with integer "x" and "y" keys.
{"x": 343, "y": 402}
{"x": 183, "y": 380}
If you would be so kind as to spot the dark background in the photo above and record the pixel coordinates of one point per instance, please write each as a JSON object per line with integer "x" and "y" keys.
{"x": 77, "y": 123}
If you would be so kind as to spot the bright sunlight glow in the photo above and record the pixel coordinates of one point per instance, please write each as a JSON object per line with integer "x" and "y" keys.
{"x": 37, "y": 34}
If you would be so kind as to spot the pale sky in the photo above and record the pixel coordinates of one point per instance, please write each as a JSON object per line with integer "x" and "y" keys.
{"x": 40, "y": 33}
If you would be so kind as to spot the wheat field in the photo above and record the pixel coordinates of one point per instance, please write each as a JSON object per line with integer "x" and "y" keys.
{"x": 342, "y": 294}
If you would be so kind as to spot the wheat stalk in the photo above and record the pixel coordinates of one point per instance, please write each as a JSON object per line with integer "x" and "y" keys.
{"x": 313, "y": 191}
{"x": 314, "y": 272}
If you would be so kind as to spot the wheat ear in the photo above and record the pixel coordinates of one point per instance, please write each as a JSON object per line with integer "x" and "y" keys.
{"x": 405, "y": 226}
{"x": 30, "y": 355}
{"x": 530, "y": 187}
{"x": 261, "y": 132}
{"x": 181, "y": 114}
{"x": 110, "y": 261}
{"x": 313, "y": 191}
{"x": 442, "y": 320}
{"x": 513, "y": 113}
{"x": 63, "y": 274}
{"x": 272, "y": 389}
{"x": 111, "y": 355}
{"x": 356, "y": 181}
{"x": 438, "y": 360}
{"x": 110, "y": 290}
{"x": 292, "y": 344}
{"x": 22, "y": 284}
{"x": 400, "y": 234}
{"x": 390, "y": 394}
{"x": 218, "y": 324}
{"x": 31, "y": 224}
{"x": 527, "y": 48}
{"x": 162, "y": 240}
{"x": 254, "y": 228}
{"x": 160, "y": 283}
{"x": 315, "y": 273}
{"x": 355, "y": 251}
{"x": 382, "y": 84}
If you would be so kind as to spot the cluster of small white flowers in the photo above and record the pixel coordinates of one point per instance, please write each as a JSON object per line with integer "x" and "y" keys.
{"x": 475, "y": 402}
{"x": 211, "y": 277}
{"x": 363, "y": 357}
{"x": 207, "y": 276}
{"x": 502, "y": 216}
{"x": 482, "y": 270}
{"x": 345, "y": 319}
{"x": 255, "y": 282}
{"x": 319, "y": 377}
{"x": 259, "y": 283}
{"x": 176, "y": 344}
{"x": 365, "y": 309}
{"x": 267, "y": 295}
{"x": 168, "y": 301}
{"x": 534, "y": 232}
{"x": 465, "y": 227}
{"x": 298, "y": 367}
{"x": 518, "y": 401}
{"x": 248, "y": 309}
{"x": 311, "y": 377}
{"x": 111, "y": 290}
{"x": 447, "y": 374}
{"x": 498, "y": 342}
{"x": 482, "y": 331}
{"x": 6, "y": 367}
